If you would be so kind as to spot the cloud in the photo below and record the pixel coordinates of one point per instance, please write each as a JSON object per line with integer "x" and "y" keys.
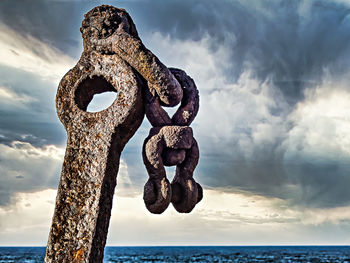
{"x": 8, "y": 96}
{"x": 317, "y": 153}
{"x": 30, "y": 73}
{"x": 288, "y": 47}
{"x": 26, "y": 168}
{"x": 251, "y": 138}
{"x": 32, "y": 55}
{"x": 125, "y": 187}
{"x": 55, "y": 23}
{"x": 228, "y": 219}
{"x": 28, "y": 222}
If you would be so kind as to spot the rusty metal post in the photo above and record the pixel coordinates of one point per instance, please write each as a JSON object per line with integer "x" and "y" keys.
{"x": 95, "y": 142}
{"x": 115, "y": 59}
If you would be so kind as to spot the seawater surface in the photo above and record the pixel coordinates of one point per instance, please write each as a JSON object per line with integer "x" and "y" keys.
{"x": 284, "y": 254}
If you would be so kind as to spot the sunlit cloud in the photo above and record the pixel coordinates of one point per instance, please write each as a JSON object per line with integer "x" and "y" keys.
{"x": 26, "y": 168}
{"x": 322, "y": 122}
{"x": 30, "y": 54}
{"x": 221, "y": 218}
{"x": 8, "y": 96}
{"x": 31, "y": 214}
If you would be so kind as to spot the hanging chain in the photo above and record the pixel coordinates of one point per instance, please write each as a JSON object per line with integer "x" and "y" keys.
{"x": 170, "y": 141}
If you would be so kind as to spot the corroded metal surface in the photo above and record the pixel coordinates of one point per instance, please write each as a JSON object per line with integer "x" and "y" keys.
{"x": 94, "y": 145}
{"x": 123, "y": 40}
{"x": 114, "y": 59}
{"x": 170, "y": 142}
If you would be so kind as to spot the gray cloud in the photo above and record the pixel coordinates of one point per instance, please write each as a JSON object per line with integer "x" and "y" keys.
{"x": 34, "y": 120}
{"x": 290, "y": 43}
{"x": 25, "y": 168}
{"x": 54, "y": 22}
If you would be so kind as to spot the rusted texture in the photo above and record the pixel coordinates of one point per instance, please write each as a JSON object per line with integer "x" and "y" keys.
{"x": 157, "y": 191}
{"x": 114, "y": 59}
{"x": 95, "y": 141}
{"x": 188, "y": 193}
{"x": 170, "y": 143}
{"x": 187, "y": 110}
{"x": 116, "y": 33}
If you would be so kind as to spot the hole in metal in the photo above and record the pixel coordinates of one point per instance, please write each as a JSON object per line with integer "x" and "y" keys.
{"x": 101, "y": 101}
{"x": 94, "y": 94}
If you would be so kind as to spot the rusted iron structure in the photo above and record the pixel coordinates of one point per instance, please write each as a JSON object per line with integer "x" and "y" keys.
{"x": 115, "y": 59}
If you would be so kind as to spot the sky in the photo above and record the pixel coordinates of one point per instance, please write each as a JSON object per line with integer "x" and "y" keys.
{"x": 273, "y": 124}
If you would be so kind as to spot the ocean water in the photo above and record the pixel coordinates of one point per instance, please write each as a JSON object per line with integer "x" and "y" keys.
{"x": 283, "y": 254}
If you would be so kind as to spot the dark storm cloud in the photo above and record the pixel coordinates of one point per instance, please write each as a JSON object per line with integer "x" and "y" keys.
{"x": 273, "y": 38}
{"x": 290, "y": 44}
{"x": 26, "y": 127}
{"x": 322, "y": 184}
{"x": 54, "y": 22}
{"x": 303, "y": 183}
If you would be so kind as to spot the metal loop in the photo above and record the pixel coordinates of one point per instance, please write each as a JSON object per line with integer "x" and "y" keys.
{"x": 157, "y": 195}
{"x": 187, "y": 110}
{"x": 185, "y": 194}
{"x": 171, "y": 145}
{"x": 190, "y": 101}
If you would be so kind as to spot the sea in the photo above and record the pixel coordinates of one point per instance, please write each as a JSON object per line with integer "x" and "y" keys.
{"x": 283, "y": 254}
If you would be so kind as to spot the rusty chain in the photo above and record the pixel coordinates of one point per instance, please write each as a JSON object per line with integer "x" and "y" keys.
{"x": 115, "y": 59}
{"x": 170, "y": 141}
